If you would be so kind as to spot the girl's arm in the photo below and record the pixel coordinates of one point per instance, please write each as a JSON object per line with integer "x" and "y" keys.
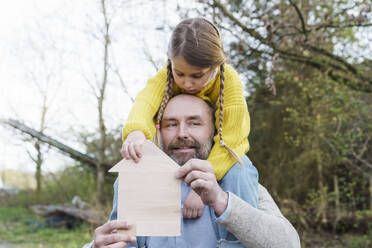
{"x": 146, "y": 105}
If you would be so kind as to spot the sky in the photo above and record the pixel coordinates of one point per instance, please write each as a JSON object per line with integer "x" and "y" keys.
{"x": 51, "y": 46}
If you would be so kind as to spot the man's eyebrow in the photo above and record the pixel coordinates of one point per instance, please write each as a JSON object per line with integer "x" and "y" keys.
{"x": 169, "y": 119}
{"x": 194, "y": 117}
{"x": 191, "y": 117}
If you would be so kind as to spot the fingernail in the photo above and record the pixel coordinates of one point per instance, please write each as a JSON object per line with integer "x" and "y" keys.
{"x": 133, "y": 239}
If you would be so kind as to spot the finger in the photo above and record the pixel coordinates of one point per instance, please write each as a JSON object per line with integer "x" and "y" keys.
{"x": 201, "y": 185}
{"x": 138, "y": 149}
{"x": 106, "y": 240}
{"x": 108, "y": 227}
{"x": 184, "y": 212}
{"x": 115, "y": 238}
{"x": 194, "y": 213}
{"x": 189, "y": 213}
{"x": 194, "y": 164}
{"x": 132, "y": 153}
{"x": 122, "y": 150}
{"x": 117, "y": 245}
{"x": 125, "y": 150}
{"x": 194, "y": 175}
{"x": 200, "y": 212}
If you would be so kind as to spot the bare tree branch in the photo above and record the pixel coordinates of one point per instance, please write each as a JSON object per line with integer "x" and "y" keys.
{"x": 350, "y": 162}
{"x": 337, "y": 67}
{"x": 343, "y": 25}
{"x": 84, "y": 158}
{"x": 250, "y": 31}
{"x": 332, "y": 56}
{"x": 301, "y": 17}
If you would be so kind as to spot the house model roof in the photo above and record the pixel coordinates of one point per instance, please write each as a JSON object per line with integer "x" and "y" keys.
{"x": 153, "y": 159}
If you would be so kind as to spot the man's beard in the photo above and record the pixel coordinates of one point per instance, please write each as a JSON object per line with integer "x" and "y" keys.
{"x": 201, "y": 150}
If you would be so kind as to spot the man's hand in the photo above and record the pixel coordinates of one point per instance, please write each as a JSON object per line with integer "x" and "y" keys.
{"x": 132, "y": 146}
{"x": 199, "y": 175}
{"x": 107, "y": 235}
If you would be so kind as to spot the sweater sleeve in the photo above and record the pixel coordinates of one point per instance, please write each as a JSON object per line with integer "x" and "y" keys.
{"x": 264, "y": 227}
{"x": 146, "y": 105}
{"x": 235, "y": 127}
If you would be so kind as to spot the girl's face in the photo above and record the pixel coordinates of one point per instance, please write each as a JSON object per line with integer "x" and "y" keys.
{"x": 190, "y": 78}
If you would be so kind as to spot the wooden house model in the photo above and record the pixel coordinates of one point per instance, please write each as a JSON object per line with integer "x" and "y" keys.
{"x": 149, "y": 195}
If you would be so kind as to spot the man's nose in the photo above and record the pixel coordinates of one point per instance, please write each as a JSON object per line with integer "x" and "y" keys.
{"x": 183, "y": 131}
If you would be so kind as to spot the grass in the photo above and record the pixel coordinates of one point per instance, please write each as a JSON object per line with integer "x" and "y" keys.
{"x": 311, "y": 239}
{"x": 20, "y": 228}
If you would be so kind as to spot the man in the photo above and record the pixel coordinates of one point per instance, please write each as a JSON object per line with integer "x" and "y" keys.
{"x": 186, "y": 129}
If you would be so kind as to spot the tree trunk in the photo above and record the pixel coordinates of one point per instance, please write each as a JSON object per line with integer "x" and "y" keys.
{"x": 100, "y": 184}
{"x": 101, "y": 121}
{"x": 337, "y": 203}
{"x": 322, "y": 188}
{"x": 39, "y": 162}
{"x": 370, "y": 193}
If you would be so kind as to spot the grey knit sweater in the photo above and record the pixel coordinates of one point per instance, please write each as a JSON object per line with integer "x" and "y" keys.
{"x": 264, "y": 227}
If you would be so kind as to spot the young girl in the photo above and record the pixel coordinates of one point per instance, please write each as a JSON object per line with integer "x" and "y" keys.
{"x": 196, "y": 65}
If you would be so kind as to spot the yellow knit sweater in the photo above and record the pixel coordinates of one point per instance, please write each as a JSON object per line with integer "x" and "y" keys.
{"x": 236, "y": 121}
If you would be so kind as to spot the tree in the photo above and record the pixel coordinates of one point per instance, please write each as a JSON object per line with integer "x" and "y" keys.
{"x": 297, "y": 31}
{"x": 43, "y": 81}
{"x": 309, "y": 54}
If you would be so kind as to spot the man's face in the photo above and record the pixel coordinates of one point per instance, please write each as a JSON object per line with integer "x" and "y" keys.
{"x": 187, "y": 129}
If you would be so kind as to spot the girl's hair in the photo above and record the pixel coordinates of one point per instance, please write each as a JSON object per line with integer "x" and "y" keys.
{"x": 198, "y": 41}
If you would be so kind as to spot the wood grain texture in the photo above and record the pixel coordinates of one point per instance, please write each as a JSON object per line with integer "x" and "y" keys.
{"x": 149, "y": 195}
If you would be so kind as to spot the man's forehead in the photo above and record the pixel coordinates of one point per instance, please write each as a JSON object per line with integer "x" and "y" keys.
{"x": 186, "y": 112}
{"x": 183, "y": 107}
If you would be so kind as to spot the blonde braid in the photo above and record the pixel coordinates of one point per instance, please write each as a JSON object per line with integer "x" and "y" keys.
{"x": 168, "y": 92}
{"x": 222, "y": 86}
{"x": 222, "y": 143}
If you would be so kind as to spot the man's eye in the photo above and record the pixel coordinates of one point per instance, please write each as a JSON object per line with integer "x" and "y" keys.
{"x": 171, "y": 125}
{"x": 195, "y": 123}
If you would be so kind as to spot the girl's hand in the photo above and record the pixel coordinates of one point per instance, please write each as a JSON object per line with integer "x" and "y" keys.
{"x": 193, "y": 206}
{"x": 132, "y": 146}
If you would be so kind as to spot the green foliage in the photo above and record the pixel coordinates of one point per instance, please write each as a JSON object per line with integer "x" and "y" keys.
{"x": 113, "y": 144}
{"x": 360, "y": 242}
{"x": 315, "y": 127}
{"x": 303, "y": 32}
{"x": 312, "y": 122}
{"x": 61, "y": 187}
{"x": 18, "y": 226}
